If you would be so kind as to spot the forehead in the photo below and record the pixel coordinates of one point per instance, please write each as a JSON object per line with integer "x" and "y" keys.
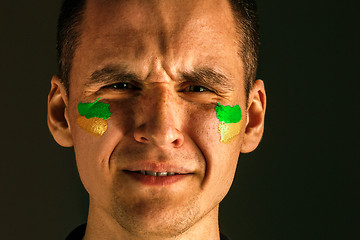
{"x": 180, "y": 32}
{"x": 167, "y": 16}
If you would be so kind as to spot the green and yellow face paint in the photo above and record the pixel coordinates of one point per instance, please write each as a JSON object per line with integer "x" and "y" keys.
{"x": 230, "y": 122}
{"x": 93, "y": 117}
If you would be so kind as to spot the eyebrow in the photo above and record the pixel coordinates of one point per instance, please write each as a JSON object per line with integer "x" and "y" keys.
{"x": 206, "y": 77}
{"x": 112, "y": 74}
{"x": 209, "y": 77}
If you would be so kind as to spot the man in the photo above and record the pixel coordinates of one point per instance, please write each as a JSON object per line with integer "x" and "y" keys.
{"x": 158, "y": 99}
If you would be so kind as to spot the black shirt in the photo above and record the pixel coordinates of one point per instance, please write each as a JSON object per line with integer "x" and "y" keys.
{"x": 79, "y": 232}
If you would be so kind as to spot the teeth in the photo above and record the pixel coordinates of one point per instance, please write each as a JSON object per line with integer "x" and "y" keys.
{"x": 151, "y": 173}
{"x": 161, "y": 174}
{"x": 158, "y": 174}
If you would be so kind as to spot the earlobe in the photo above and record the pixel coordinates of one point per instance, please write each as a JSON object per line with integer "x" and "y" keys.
{"x": 57, "y": 116}
{"x": 255, "y": 117}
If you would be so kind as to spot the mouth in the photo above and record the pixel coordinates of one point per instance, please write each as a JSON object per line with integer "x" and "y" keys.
{"x": 155, "y": 174}
{"x": 153, "y": 178}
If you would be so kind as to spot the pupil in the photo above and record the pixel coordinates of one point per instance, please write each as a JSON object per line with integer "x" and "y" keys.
{"x": 120, "y": 85}
{"x": 197, "y": 89}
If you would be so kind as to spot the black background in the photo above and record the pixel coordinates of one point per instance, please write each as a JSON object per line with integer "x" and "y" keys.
{"x": 302, "y": 181}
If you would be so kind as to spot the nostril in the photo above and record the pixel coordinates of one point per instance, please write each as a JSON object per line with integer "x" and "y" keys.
{"x": 176, "y": 142}
{"x": 179, "y": 140}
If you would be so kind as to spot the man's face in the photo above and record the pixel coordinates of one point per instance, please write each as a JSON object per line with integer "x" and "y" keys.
{"x": 163, "y": 117}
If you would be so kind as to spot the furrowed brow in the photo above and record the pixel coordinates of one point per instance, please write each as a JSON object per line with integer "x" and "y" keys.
{"x": 209, "y": 77}
{"x": 110, "y": 75}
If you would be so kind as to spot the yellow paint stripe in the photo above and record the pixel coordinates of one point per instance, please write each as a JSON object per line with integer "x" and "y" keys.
{"x": 94, "y": 126}
{"x": 228, "y": 131}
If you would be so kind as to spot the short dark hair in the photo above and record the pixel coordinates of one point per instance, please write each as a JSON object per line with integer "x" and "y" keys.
{"x": 72, "y": 14}
{"x": 245, "y": 15}
{"x": 68, "y": 36}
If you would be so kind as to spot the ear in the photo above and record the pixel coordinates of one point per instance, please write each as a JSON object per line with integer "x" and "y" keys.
{"x": 57, "y": 117}
{"x": 255, "y": 117}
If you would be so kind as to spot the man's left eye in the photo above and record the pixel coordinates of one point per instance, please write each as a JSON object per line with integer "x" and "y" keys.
{"x": 195, "y": 88}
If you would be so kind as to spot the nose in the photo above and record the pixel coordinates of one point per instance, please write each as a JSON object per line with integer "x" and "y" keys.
{"x": 161, "y": 120}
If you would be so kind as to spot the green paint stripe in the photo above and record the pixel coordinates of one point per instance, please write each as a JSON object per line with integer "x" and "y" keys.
{"x": 228, "y": 114}
{"x": 95, "y": 109}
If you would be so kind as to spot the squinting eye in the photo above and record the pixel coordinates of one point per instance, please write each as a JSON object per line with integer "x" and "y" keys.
{"x": 194, "y": 88}
{"x": 121, "y": 86}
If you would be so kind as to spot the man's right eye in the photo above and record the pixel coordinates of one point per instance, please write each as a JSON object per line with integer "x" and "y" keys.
{"x": 121, "y": 86}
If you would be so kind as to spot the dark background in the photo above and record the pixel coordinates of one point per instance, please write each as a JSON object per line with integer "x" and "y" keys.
{"x": 301, "y": 183}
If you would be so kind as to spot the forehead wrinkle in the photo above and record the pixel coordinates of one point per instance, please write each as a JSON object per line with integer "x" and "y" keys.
{"x": 110, "y": 74}
{"x": 173, "y": 18}
{"x": 175, "y": 39}
{"x": 165, "y": 21}
{"x": 201, "y": 20}
{"x": 132, "y": 28}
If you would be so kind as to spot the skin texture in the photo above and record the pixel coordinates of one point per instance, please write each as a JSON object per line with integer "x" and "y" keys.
{"x": 160, "y": 121}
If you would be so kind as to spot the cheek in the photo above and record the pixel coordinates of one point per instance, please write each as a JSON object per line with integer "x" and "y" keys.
{"x": 230, "y": 122}
{"x": 94, "y": 141}
{"x": 229, "y": 131}
{"x": 202, "y": 127}
{"x": 94, "y": 126}
{"x": 122, "y": 118}
{"x": 220, "y": 158}
{"x": 205, "y": 127}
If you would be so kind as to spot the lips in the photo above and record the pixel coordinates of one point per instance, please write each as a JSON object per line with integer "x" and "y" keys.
{"x": 151, "y": 180}
{"x": 157, "y": 174}
{"x": 158, "y": 169}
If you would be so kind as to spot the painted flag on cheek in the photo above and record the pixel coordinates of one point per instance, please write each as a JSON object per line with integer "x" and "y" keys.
{"x": 93, "y": 117}
{"x": 230, "y": 119}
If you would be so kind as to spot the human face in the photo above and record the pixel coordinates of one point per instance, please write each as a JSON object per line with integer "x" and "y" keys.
{"x": 167, "y": 52}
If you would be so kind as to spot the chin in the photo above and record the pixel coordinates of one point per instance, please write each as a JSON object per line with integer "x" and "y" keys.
{"x": 156, "y": 218}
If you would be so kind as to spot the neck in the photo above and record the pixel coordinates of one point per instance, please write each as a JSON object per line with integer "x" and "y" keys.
{"x": 101, "y": 225}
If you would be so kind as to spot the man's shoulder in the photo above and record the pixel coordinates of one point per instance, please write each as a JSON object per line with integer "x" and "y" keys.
{"x": 224, "y": 237}
{"x": 78, "y": 233}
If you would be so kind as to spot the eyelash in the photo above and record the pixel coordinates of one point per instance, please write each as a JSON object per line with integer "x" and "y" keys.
{"x": 198, "y": 87}
{"x": 129, "y": 86}
{"x": 126, "y": 86}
